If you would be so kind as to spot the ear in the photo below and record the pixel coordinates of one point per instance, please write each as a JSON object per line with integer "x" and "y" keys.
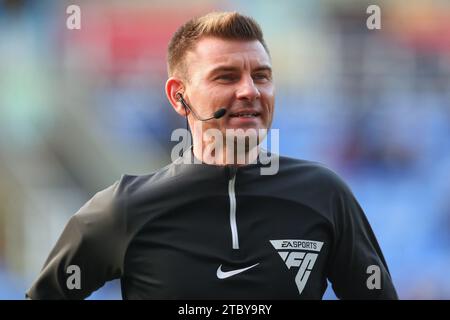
{"x": 175, "y": 85}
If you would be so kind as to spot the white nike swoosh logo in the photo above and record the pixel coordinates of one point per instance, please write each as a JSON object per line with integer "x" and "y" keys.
{"x": 226, "y": 274}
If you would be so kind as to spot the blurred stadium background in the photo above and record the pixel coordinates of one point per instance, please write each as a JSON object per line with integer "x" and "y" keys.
{"x": 80, "y": 107}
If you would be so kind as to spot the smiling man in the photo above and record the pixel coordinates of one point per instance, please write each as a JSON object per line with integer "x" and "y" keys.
{"x": 217, "y": 229}
{"x": 217, "y": 71}
{"x": 221, "y": 67}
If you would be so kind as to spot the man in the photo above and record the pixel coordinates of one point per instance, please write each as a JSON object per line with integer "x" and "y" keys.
{"x": 220, "y": 229}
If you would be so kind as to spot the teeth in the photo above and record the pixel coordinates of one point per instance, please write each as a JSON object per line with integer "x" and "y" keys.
{"x": 245, "y": 115}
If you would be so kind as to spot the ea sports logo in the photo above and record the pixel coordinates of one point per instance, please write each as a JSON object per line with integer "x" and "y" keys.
{"x": 295, "y": 254}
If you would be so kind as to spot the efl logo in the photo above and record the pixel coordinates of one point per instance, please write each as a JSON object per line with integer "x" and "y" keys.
{"x": 298, "y": 257}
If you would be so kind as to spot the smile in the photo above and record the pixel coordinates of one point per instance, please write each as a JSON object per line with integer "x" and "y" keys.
{"x": 245, "y": 115}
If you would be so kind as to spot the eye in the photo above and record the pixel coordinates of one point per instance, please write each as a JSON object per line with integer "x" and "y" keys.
{"x": 227, "y": 77}
{"x": 261, "y": 77}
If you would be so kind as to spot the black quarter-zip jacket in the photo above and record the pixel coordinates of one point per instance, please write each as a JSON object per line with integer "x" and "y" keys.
{"x": 198, "y": 231}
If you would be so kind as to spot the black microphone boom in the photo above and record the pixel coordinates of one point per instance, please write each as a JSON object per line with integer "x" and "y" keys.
{"x": 220, "y": 113}
{"x": 217, "y": 115}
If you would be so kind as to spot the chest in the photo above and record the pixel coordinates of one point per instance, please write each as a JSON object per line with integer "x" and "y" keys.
{"x": 233, "y": 248}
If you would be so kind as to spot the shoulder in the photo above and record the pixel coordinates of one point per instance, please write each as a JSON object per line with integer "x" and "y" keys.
{"x": 106, "y": 207}
{"x": 110, "y": 203}
{"x": 99, "y": 216}
{"x": 315, "y": 174}
{"x": 321, "y": 188}
{"x": 131, "y": 185}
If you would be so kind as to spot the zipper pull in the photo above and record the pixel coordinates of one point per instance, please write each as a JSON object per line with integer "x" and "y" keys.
{"x": 232, "y": 170}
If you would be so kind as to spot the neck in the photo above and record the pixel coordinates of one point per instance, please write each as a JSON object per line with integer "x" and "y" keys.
{"x": 222, "y": 154}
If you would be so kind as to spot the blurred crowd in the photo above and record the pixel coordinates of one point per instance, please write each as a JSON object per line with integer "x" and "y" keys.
{"x": 78, "y": 108}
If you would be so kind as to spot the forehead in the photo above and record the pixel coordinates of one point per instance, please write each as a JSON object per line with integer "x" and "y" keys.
{"x": 210, "y": 53}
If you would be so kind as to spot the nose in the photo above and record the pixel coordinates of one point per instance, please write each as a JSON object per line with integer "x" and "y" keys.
{"x": 247, "y": 89}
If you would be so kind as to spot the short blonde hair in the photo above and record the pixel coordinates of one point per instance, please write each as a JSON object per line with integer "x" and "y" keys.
{"x": 224, "y": 25}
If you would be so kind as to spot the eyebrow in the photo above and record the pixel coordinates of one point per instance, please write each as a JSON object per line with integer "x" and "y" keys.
{"x": 264, "y": 68}
{"x": 234, "y": 69}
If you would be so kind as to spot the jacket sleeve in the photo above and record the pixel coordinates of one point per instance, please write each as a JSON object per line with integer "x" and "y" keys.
{"x": 357, "y": 268}
{"x": 89, "y": 252}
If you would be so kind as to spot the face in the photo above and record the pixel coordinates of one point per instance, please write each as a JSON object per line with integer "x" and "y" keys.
{"x": 231, "y": 74}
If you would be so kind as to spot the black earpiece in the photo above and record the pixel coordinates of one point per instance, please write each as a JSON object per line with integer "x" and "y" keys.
{"x": 218, "y": 114}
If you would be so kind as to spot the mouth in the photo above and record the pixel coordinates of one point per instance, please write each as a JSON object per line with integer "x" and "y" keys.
{"x": 245, "y": 114}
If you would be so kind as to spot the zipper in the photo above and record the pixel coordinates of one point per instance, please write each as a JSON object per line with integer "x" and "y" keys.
{"x": 232, "y": 196}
